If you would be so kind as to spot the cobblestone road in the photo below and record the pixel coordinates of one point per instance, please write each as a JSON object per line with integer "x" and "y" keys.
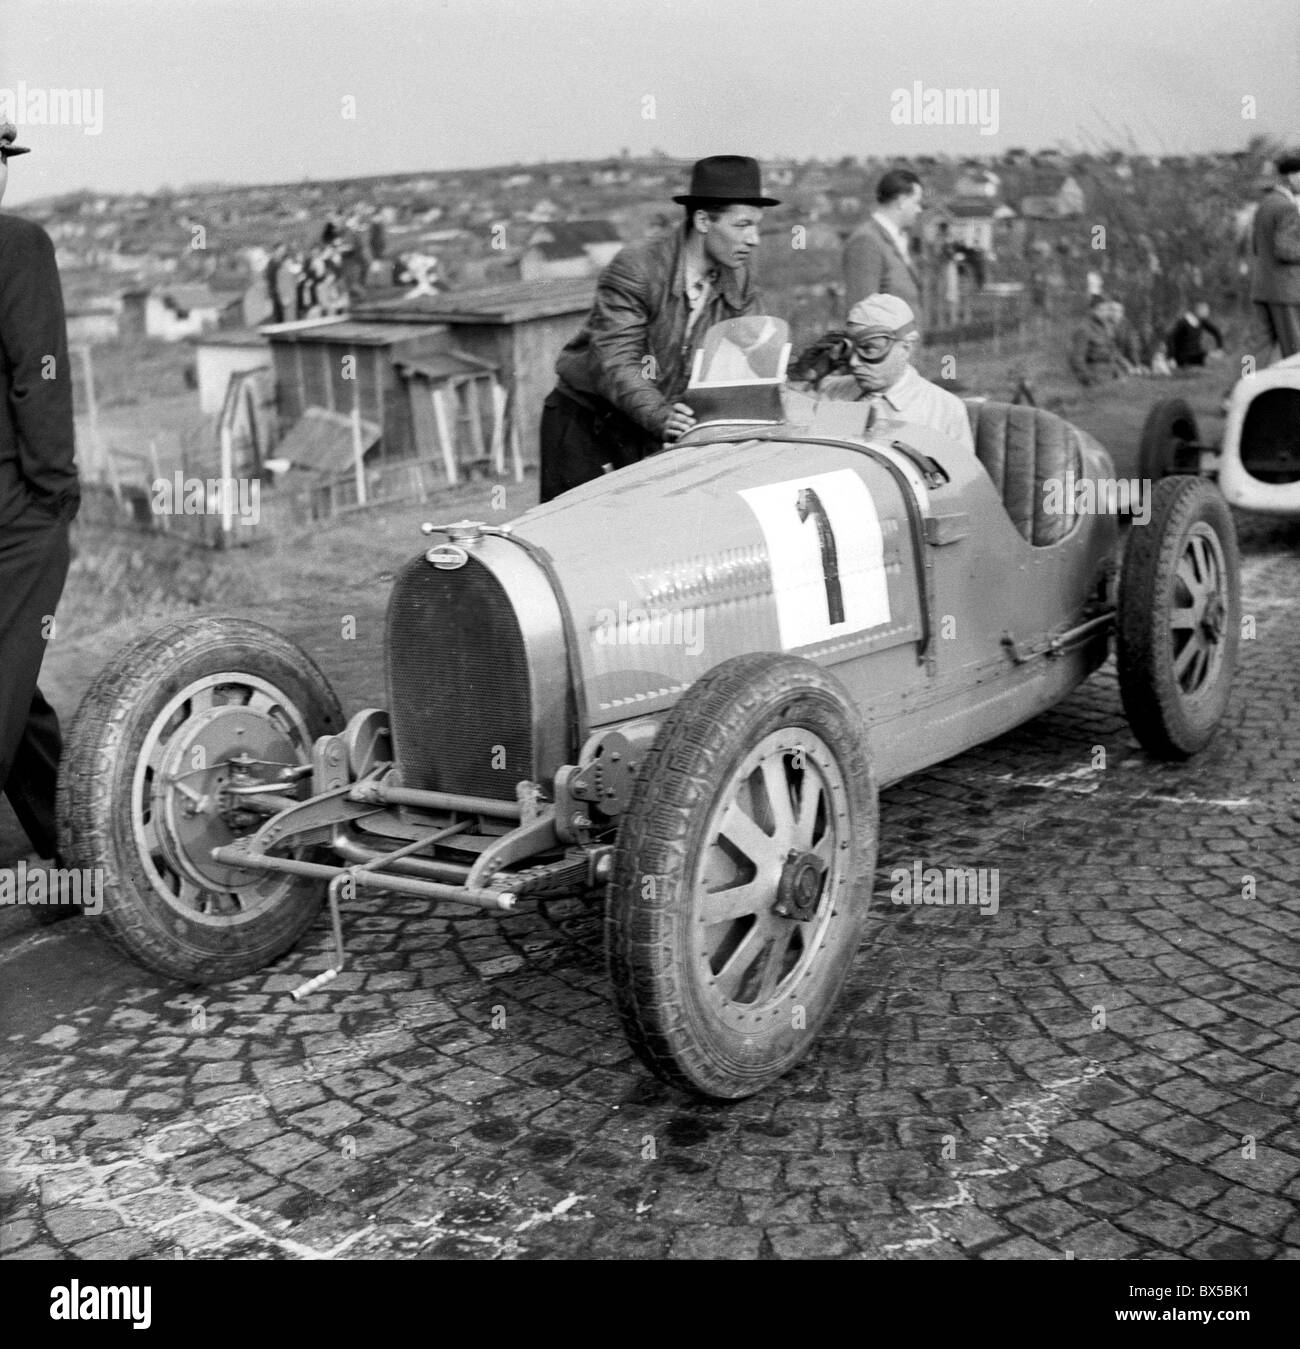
{"x": 1106, "y": 1068}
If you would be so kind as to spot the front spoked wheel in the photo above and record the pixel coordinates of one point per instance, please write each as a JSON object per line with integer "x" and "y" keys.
{"x": 742, "y": 876}
{"x": 168, "y": 748}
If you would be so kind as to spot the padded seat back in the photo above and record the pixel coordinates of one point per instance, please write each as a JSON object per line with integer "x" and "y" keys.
{"x": 1023, "y": 448}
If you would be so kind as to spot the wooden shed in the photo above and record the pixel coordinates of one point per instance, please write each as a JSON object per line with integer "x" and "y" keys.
{"x": 458, "y": 407}
{"x": 518, "y": 328}
{"x": 218, "y": 355}
{"x": 337, "y": 364}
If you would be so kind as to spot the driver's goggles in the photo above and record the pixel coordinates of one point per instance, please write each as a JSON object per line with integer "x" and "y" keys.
{"x": 872, "y": 349}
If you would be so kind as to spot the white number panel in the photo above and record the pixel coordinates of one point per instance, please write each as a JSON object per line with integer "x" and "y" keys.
{"x": 823, "y": 538}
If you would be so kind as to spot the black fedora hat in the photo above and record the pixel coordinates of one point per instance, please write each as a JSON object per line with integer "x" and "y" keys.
{"x": 727, "y": 178}
{"x": 8, "y": 134}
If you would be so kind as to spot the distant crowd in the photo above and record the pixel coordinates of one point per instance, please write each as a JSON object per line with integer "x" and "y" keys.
{"x": 328, "y": 277}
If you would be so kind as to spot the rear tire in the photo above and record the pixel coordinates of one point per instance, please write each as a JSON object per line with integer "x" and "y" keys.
{"x": 742, "y": 875}
{"x": 152, "y": 744}
{"x": 1179, "y": 618}
{"x": 1168, "y": 435}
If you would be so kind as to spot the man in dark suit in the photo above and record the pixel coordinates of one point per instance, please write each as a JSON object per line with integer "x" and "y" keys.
{"x": 877, "y": 256}
{"x": 1275, "y": 242}
{"x": 39, "y": 495}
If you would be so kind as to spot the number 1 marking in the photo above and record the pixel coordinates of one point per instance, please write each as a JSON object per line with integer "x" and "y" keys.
{"x": 808, "y": 503}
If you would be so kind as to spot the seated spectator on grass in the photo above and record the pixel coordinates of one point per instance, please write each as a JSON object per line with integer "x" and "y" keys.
{"x": 1094, "y": 355}
{"x": 1188, "y": 341}
{"x": 1127, "y": 343}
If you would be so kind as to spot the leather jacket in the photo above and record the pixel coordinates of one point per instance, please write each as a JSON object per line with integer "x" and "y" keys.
{"x": 633, "y": 350}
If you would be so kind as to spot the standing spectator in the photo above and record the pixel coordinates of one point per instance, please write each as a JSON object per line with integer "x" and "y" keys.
{"x": 39, "y": 495}
{"x": 272, "y": 275}
{"x": 948, "y": 255}
{"x": 331, "y": 292}
{"x": 1056, "y": 286}
{"x": 354, "y": 257}
{"x": 310, "y": 282}
{"x": 286, "y": 285}
{"x": 1038, "y": 286}
{"x": 378, "y": 239}
{"x": 1275, "y": 243}
{"x": 1185, "y": 344}
{"x": 973, "y": 264}
{"x": 877, "y": 258}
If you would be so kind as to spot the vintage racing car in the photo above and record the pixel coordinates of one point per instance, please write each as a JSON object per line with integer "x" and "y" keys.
{"x": 1257, "y": 462}
{"x": 681, "y": 685}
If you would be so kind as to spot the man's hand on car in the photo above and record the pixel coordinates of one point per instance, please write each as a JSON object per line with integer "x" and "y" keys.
{"x": 681, "y": 421}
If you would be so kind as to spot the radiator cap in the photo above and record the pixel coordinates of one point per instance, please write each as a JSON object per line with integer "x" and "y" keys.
{"x": 464, "y": 531}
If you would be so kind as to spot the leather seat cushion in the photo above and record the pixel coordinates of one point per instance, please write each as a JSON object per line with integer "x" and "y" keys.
{"x": 1023, "y": 448}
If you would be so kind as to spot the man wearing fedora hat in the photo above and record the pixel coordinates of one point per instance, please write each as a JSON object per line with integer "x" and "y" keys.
{"x": 620, "y": 378}
{"x": 39, "y": 495}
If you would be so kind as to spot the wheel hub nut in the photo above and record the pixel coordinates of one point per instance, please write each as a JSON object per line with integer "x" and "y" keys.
{"x": 799, "y": 890}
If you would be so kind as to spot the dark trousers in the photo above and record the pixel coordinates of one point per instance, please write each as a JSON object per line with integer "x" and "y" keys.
{"x": 33, "y": 566}
{"x": 1276, "y": 325}
{"x": 579, "y": 443}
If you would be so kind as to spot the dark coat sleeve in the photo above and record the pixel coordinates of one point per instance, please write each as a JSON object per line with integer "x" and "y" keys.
{"x": 34, "y": 342}
{"x": 863, "y": 268}
{"x": 620, "y": 338}
{"x": 1079, "y": 355}
{"x": 1286, "y": 235}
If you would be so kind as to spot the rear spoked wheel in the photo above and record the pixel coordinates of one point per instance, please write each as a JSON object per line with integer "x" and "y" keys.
{"x": 1179, "y": 618}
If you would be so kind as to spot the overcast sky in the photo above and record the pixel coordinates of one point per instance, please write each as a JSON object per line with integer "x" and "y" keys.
{"x": 252, "y": 91}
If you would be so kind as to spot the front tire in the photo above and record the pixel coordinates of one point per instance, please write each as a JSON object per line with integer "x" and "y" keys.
{"x": 1179, "y": 618}
{"x": 176, "y": 717}
{"x": 742, "y": 875}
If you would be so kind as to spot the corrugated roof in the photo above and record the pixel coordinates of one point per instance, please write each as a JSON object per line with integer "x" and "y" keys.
{"x": 229, "y": 337}
{"x": 355, "y": 333}
{"x": 569, "y": 238}
{"x": 512, "y": 302}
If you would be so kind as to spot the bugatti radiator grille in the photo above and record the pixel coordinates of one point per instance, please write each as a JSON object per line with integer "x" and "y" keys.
{"x": 458, "y": 687}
